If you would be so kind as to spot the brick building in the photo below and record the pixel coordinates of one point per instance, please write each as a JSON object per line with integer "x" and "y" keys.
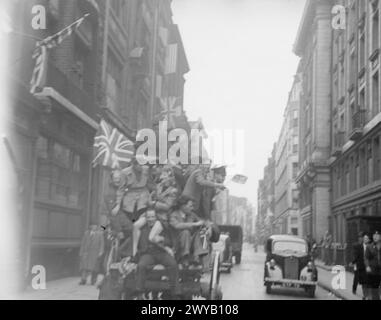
{"x": 286, "y": 215}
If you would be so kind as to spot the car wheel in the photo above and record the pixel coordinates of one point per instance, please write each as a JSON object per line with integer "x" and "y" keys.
{"x": 238, "y": 258}
{"x": 311, "y": 292}
{"x": 228, "y": 270}
{"x": 268, "y": 288}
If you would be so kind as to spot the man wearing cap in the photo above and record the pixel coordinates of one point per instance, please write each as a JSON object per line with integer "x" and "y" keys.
{"x": 217, "y": 175}
{"x": 196, "y": 183}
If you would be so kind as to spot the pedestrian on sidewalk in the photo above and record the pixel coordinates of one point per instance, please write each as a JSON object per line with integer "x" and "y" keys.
{"x": 92, "y": 248}
{"x": 358, "y": 262}
{"x": 373, "y": 266}
{"x": 326, "y": 248}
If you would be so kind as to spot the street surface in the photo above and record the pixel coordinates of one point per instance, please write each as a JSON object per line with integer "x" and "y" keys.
{"x": 245, "y": 282}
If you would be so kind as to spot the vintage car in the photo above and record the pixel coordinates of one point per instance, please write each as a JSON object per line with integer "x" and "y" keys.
{"x": 289, "y": 264}
{"x": 236, "y": 236}
{"x": 224, "y": 246}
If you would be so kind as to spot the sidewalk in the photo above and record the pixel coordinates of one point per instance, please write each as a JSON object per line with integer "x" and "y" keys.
{"x": 325, "y": 277}
{"x": 63, "y": 289}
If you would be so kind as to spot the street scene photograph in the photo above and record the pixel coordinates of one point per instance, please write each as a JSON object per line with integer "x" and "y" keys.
{"x": 213, "y": 150}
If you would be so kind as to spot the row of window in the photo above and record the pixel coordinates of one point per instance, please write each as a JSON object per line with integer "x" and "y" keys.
{"x": 358, "y": 169}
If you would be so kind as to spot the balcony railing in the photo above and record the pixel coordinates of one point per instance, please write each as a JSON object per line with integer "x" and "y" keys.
{"x": 358, "y": 122}
{"x": 71, "y": 91}
{"x": 338, "y": 142}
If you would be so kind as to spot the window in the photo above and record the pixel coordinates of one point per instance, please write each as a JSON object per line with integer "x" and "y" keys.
{"x": 377, "y": 158}
{"x": 295, "y": 198}
{"x": 369, "y": 162}
{"x": 80, "y": 58}
{"x": 362, "y": 44}
{"x": 289, "y": 246}
{"x": 357, "y": 176}
{"x": 375, "y": 31}
{"x": 352, "y": 69}
{"x": 60, "y": 176}
{"x": 294, "y": 170}
{"x": 42, "y": 147}
{"x": 362, "y": 99}
{"x": 375, "y": 95}
{"x": 363, "y": 171}
{"x": 114, "y": 82}
{"x": 352, "y": 174}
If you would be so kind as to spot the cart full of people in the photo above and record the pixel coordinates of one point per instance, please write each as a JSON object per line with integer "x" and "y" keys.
{"x": 159, "y": 233}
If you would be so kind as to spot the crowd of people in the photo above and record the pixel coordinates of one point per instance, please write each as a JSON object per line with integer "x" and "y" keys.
{"x": 161, "y": 215}
{"x": 367, "y": 265}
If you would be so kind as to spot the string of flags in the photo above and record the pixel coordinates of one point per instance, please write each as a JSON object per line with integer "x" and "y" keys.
{"x": 41, "y": 51}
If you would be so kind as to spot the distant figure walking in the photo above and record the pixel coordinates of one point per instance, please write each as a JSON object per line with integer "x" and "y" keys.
{"x": 92, "y": 248}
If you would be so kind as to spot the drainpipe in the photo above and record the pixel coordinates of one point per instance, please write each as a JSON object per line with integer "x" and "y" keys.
{"x": 154, "y": 52}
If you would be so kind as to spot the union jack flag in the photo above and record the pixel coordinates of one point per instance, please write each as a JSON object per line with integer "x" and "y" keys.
{"x": 112, "y": 148}
{"x": 170, "y": 110}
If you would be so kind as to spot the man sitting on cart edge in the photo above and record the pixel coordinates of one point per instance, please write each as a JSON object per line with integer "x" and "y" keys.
{"x": 187, "y": 228}
{"x": 155, "y": 247}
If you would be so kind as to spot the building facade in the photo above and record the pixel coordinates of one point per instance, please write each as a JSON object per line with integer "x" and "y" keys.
{"x": 286, "y": 215}
{"x": 121, "y": 64}
{"x": 266, "y": 200}
{"x": 313, "y": 45}
{"x": 356, "y": 123}
{"x": 52, "y": 133}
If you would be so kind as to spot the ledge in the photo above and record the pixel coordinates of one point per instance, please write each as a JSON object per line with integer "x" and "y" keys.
{"x": 55, "y": 95}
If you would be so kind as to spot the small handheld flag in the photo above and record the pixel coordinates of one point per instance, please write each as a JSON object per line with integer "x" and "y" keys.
{"x": 239, "y": 178}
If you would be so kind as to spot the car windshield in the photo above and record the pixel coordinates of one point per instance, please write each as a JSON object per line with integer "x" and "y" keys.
{"x": 290, "y": 246}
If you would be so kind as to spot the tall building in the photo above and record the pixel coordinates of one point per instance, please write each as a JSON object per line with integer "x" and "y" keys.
{"x": 286, "y": 215}
{"x": 266, "y": 200}
{"x": 356, "y": 123}
{"x": 313, "y": 45}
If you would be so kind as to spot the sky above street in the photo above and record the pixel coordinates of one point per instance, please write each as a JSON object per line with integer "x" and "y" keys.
{"x": 242, "y": 68}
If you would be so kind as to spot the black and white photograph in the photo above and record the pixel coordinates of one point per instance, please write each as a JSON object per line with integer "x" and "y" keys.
{"x": 215, "y": 150}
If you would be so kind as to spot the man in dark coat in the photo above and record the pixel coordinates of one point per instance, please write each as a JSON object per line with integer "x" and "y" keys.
{"x": 359, "y": 264}
{"x": 373, "y": 266}
{"x": 92, "y": 248}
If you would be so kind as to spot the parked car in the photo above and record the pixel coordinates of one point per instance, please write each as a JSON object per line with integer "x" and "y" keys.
{"x": 224, "y": 246}
{"x": 236, "y": 236}
{"x": 289, "y": 264}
